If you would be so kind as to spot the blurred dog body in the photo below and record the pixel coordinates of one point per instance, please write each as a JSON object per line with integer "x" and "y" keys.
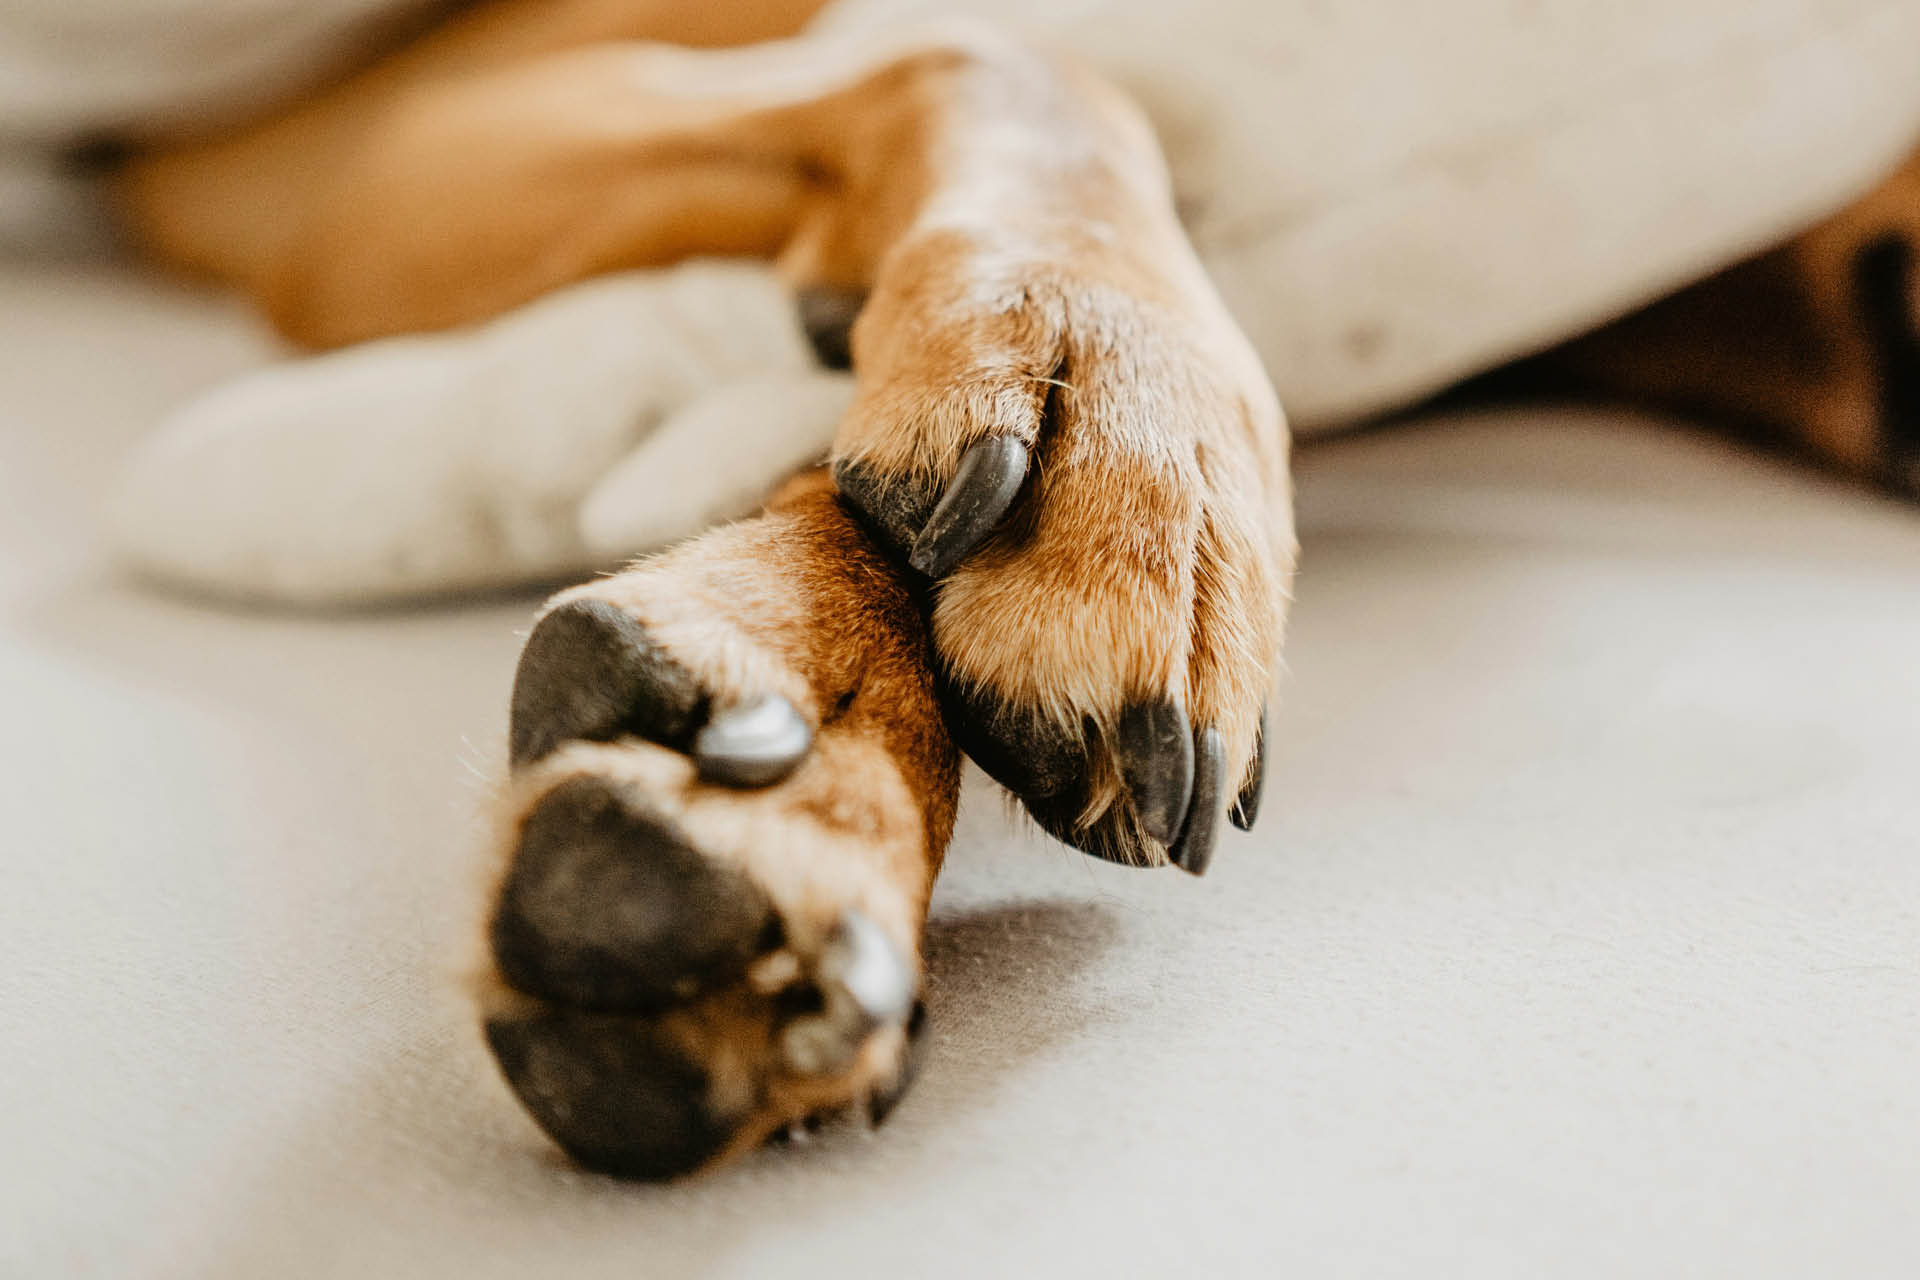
{"x": 73, "y": 71}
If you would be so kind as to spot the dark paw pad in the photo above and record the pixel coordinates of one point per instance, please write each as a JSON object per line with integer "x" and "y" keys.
{"x": 590, "y": 672}
{"x": 616, "y": 1095}
{"x": 606, "y": 907}
{"x": 1018, "y": 747}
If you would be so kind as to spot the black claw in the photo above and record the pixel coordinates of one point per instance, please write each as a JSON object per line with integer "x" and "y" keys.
{"x": 1195, "y": 848}
{"x": 1155, "y": 752}
{"x": 1246, "y": 806}
{"x": 827, "y": 313}
{"x": 983, "y": 487}
{"x": 591, "y": 672}
{"x": 606, "y": 907}
{"x": 752, "y": 744}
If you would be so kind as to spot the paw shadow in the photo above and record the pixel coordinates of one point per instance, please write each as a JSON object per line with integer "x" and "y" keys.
{"x": 1004, "y": 984}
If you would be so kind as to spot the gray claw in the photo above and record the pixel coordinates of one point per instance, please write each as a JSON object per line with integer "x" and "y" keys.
{"x": 862, "y": 966}
{"x": 752, "y": 744}
{"x": 987, "y": 481}
{"x": 863, "y": 983}
{"x": 1155, "y": 750}
{"x": 1194, "y": 850}
{"x": 1246, "y": 806}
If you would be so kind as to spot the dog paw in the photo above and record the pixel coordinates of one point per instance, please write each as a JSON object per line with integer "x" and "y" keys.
{"x": 1086, "y": 456}
{"x": 730, "y": 793}
{"x": 471, "y": 459}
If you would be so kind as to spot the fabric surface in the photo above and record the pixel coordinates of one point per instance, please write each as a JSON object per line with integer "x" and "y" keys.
{"x": 1578, "y": 938}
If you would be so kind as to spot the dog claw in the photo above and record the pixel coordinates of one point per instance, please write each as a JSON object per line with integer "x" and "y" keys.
{"x": 881, "y": 1103}
{"x": 1194, "y": 850}
{"x": 1155, "y": 752}
{"x": 862, "y": 966}
{"x": 863, "y": 985}
{"x": 752, "y": 744}
{"x": 983, "y": 487}
{"x": 1246, "y": 806}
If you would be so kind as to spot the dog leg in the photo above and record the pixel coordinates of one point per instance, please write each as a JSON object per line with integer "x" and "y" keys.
{"x": 731, "y": 791}
{"x": 1816, "y": 343}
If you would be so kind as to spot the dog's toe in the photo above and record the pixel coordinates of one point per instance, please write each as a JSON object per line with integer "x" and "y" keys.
{"x": 591, "y": 672}
{"x": 862, "y": 983}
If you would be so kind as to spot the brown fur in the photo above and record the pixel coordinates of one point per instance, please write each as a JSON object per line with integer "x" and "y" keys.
{"x": 1779, "y": 342}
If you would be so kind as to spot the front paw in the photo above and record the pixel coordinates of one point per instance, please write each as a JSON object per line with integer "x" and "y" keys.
{"x": 1086, "y": 457}
{"x": 730, "y": 791}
